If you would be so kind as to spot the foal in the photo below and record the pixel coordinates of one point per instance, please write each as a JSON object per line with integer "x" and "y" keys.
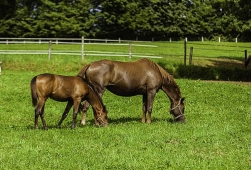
{"x": 69, "y": 89}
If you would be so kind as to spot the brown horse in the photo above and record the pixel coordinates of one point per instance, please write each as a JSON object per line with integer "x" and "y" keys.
{"x": 69, "y": 89}
{"x": 142, "y": 77}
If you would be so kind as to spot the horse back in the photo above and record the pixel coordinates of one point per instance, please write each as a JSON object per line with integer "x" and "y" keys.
{"x": 124, "y": 78}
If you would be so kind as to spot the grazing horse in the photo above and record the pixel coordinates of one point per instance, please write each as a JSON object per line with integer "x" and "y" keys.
{"x": 141, "y": 77}
{"x": 69, "y": 89}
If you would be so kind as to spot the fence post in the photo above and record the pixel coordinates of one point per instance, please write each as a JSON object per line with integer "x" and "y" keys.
{"x": 130, "y": 51}
{"x": 185, "y": 52}
{"x": 49, "y": 53}
{"x": 245, "y": 55}
{"x": 191, "y": 56}
{"x": 83, "y": 48}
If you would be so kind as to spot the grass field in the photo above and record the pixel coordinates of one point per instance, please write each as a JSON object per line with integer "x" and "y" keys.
{"x": 216, "y": 134}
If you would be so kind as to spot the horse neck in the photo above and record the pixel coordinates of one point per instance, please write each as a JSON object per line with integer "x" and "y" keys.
{"x": 94, "y": 100}
{"x": 169, "y": 86}
{"x": 172, "y": 91}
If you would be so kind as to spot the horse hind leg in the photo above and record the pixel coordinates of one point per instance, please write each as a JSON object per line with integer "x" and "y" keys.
{"x": 42, "y": 118}
{"x": 144, "y": 108}
{"x": 150, "y": 98}
{"x": 84, "y": 110}
{"x": 39, "y": 111}
{"x": 65, "y": 113}
{"x": 75, "y": 112}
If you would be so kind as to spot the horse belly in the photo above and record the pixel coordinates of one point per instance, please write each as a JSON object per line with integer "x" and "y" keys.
{"x": 120, "y": 91}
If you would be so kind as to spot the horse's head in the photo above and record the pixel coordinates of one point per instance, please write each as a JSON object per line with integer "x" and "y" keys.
{"x": 177, "y": 110}
{"x": 102, "y": 117}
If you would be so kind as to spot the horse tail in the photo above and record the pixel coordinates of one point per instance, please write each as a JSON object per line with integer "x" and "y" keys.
{"x": 82, "y": 72}
{"x": 34, "y": 91}
{"x": 247, "y": 61}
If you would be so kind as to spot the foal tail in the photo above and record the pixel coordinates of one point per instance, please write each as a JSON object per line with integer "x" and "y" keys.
{"x": 247, "y": 61}
{"x": 33, "y": 91}
{"x": 81, "y": 73}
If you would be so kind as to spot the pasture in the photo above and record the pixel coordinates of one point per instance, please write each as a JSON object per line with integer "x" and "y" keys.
{"x": 216, "y": 134}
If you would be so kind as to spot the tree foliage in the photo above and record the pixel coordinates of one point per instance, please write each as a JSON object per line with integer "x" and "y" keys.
{"x": 126, "y": 19}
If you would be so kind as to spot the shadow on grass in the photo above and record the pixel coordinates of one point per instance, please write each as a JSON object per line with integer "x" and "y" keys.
{"x": 217, "y": 69}
{"x": 136, "y": 120}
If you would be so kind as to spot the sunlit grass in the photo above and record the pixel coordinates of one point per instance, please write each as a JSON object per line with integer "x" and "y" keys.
{"x": 216, "y": 134}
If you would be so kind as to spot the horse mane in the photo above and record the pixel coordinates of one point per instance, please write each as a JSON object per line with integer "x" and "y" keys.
{"x": 167, "y": 79}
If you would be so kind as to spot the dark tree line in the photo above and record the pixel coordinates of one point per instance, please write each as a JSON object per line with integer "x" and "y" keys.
{"x": 127, "y": 19}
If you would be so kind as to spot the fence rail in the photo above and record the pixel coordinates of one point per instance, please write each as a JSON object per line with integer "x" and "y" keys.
{"x": 199, "y": 49}
{"x": 58, "y": 40}
{"x": 80, "y": 41}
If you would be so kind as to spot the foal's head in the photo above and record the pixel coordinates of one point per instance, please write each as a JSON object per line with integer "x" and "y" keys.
{"x": 101, "y": 117}
{"x": 177, "y": 111}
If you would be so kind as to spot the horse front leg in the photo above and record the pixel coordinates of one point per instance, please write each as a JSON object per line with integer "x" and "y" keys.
{"x": 144, "y": 106}
{"x": 65, "y": 113}
{"x": 84, "y": 109}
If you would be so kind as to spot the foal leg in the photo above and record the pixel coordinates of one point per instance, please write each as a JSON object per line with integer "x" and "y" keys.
{"x": 66, "y": 111}
{"x": 39, "y": 111}
{"x": 75, "y": 112}
{"x": 43, "y": 120}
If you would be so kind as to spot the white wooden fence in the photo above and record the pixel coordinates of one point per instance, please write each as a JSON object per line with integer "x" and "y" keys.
{"x": 80, "y": 41}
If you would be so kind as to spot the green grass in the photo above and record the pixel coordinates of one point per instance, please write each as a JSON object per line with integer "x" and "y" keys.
{"x": 216, "y": 134}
